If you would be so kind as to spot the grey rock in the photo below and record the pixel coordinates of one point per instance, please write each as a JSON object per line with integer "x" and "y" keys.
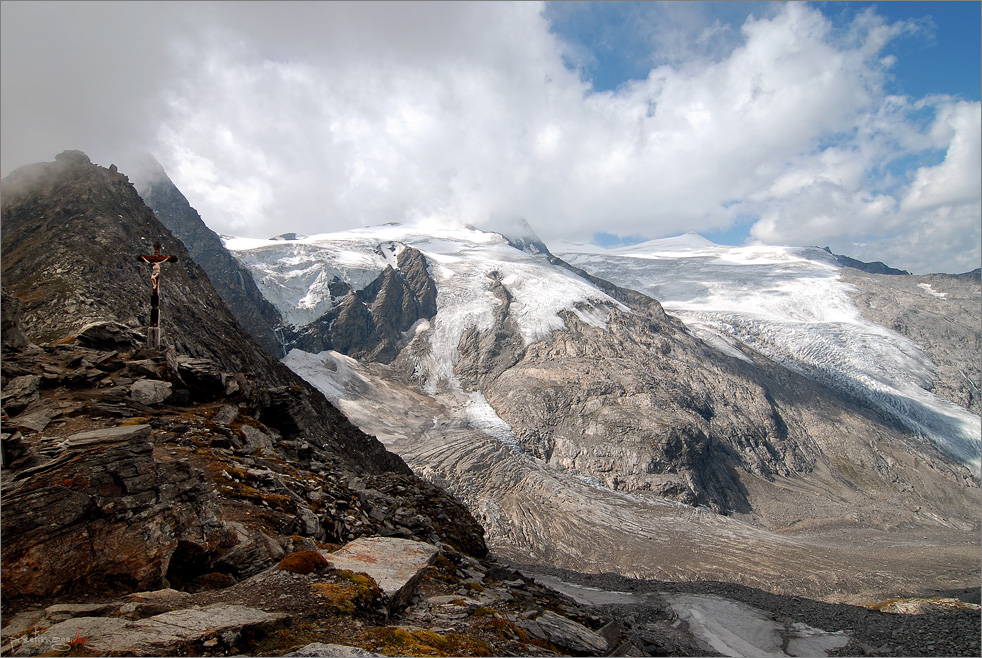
{"x": 163, "y": 634}
{"x": 150, "y": 391}
{"x": 108, "y": 435}
{"x": 19, "y": 393}
{"x": 62, "y": 611}
{"x": 110, "y": 335}
{"x": 565, "y": 633}
{"x": 226, "y": 414}
{"x": 255, "y": 439}
{"x": 35, "y": 420}
{"x": 252, "y": 556}
{"x": 331, "y": 651}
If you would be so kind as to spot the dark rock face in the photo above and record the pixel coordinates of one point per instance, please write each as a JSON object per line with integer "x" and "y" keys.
{"x": 119, "y": 515}
{"x": 232, "y": 281}
{"x": 12, "y": 333}
{"x": 370, "y": 323}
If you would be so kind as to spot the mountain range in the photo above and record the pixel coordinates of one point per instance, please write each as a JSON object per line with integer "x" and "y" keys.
{"x": 674, "y": 409}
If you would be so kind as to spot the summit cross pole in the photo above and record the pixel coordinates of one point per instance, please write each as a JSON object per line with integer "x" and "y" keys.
{"x": 155, "y": 261}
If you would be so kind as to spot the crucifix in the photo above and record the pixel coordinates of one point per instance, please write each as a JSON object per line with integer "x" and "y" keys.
{"x": 155, "y": 261}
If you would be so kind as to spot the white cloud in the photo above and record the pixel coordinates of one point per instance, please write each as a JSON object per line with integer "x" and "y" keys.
{"x": 956, "y": 180}
{"x": 320, "y": 116}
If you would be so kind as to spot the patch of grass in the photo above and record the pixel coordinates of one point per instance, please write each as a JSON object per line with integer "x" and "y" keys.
{"x": 484, "y": 611}
{"x": 355, "y": 591}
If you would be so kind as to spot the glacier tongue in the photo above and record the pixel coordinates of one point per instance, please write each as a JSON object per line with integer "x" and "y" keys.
{"x": 790, "y": 305}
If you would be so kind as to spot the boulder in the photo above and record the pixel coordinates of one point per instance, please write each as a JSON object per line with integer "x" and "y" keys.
{"x": 565, "y": 633}
{"x": 108, "y": 435}
{"x": 150, "y": 391}
{"x": 396, "y": 565}
{"x": 250, "y": 557}
{"x": 255, "y": 439}
{"x": 226, "y": 415}
{"x": 20, "y": 392}
{"x": 110, "y": 336}
{"x": 35, "y": 420}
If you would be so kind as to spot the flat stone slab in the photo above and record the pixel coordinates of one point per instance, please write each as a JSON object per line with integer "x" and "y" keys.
{"x": 331, "y": 651}
{"x": 109, "y": 435}
{"x": 155, "y": 636}
{"x": 565, "y": 633}
{"x": 395, "y": 564}
{"x": 35, "y": 420}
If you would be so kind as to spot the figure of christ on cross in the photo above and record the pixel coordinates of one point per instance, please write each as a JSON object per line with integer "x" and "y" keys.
{"x": 155, "y": 261}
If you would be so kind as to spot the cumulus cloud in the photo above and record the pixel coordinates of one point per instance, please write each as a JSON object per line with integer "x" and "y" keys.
{"x": 321, "y": 116}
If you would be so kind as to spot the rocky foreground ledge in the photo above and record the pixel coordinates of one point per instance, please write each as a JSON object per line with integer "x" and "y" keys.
{"x": 156, "y": 505}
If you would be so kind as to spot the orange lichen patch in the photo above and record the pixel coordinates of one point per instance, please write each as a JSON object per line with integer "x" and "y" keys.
{"x": 304, "y": 562}
{"x": 136, "y": 420}
{"x": 395, "y": 641}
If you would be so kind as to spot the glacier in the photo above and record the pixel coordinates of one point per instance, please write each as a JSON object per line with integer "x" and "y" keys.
{"x": 789, "y": 304}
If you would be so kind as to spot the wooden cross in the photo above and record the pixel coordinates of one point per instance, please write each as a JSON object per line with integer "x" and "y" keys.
{"x": 155, "y": 261}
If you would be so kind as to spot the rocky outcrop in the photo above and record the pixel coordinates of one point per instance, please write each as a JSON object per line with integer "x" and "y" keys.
{"x": 396, "y": 565}
{"x": 871, "y": 268}
{"x": 103, "y": 515}
{"x": 11, "y": 330}
{"x": 372, "y": 323}
{"x": 232, "y": 281}
{"x": 136, "y": 492}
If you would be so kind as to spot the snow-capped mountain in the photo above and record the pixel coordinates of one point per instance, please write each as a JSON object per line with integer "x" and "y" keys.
{"x": 584, "y": 425}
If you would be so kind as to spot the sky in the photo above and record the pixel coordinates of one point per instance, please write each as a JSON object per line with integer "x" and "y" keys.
{"x": 856, "y": 126}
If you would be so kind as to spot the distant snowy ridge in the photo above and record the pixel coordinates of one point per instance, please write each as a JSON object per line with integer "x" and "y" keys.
{"x": 788, "y": 304}
{"x": 466, "y": 263}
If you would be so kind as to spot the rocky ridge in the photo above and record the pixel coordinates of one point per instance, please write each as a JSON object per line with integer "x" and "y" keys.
{"x": 232, "y": 281}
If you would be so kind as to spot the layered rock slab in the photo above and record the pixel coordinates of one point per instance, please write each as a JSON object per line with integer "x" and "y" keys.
{"x": 396, "y": 565}
{"x": 159, "y": 635}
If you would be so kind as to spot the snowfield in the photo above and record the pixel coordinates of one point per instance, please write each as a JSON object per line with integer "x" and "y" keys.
{"x": 790, "y": 305}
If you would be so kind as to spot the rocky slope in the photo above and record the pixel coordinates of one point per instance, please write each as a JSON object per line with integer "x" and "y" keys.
{"x": 232, "y": 281}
